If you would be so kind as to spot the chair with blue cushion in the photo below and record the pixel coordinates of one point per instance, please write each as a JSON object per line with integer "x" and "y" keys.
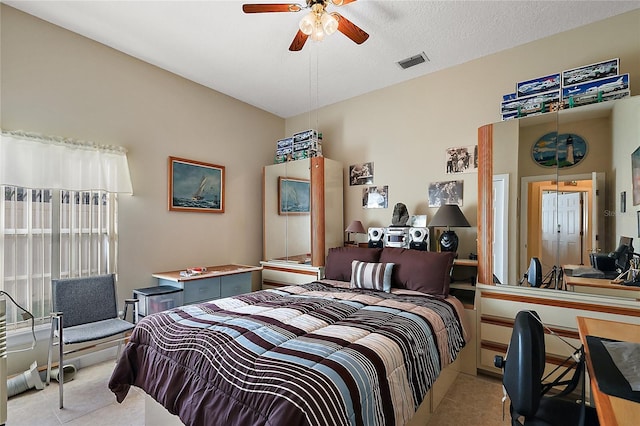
{"x": 84, "y": 310}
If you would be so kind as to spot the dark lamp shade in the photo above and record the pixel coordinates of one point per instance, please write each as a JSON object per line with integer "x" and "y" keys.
{"x": 356, "y": 227}
{"x": 449, "y": 215}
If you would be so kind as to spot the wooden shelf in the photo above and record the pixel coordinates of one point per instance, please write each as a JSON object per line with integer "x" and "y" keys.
{"x": 466, "y": 262}
{"x": 463, "y": 286}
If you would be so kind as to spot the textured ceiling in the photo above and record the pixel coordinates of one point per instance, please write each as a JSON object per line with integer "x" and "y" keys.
{"x": 246, "y": 56}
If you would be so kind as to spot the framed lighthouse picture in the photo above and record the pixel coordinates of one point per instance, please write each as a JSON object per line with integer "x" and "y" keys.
{"x": 561, "y": 151}
{"x": 195, "y": 186}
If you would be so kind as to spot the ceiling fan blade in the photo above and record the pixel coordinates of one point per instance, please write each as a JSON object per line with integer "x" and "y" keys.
{"x": 298, "y": 41}
{"x": 350, "y": 29}
{"x": 275, "y": 7}
{"x": 341, "y": 2}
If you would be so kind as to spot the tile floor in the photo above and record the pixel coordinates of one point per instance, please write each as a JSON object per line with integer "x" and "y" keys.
{"x": 88, "y": 401}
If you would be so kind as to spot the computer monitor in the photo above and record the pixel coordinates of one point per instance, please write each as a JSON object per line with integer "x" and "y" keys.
{"x": 623, "y": 253}
{"x": 534, "y": 273}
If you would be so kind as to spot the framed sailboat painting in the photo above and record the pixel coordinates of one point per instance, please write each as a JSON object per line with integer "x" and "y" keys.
{"x": 195, "y": 186}
{"x": 294, "y": 196}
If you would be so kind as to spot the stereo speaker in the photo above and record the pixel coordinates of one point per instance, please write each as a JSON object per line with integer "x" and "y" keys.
{"x": 419, "y": 239}
{"x": 419, "y": 235}
{"x": 376, "y": 237}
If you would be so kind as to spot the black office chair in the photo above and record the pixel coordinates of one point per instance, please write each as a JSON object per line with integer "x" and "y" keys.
{"x": 523, "y": 379}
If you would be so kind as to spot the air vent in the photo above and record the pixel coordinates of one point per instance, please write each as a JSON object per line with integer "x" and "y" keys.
{"x": 413, "y": 61}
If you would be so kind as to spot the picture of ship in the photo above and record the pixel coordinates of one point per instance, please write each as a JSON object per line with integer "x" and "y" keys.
{"x": 198, "y": 194}
{"x": 196, "y": 186}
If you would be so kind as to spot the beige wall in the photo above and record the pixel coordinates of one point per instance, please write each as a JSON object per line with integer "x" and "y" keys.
{"x": 626, "y": 138}
{"x": 58, "y": 83}
{"x": 404, "y": 129}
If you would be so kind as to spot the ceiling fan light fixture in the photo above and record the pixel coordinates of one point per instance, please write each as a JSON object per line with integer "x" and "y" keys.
{"x": 318, "y": 33}
{"x": 329, "y": 24}
{"x": 308, "y": 23}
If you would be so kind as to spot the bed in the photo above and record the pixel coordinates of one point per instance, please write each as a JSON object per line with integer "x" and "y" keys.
{"x": 331, "y": 352}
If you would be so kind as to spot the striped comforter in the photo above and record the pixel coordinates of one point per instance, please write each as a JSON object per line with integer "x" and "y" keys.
{"x": 314, "y": 354}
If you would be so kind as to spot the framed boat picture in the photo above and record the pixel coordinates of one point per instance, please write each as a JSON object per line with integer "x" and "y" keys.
{"x": 294, "y": 196}
{"x": 195, "y": 186}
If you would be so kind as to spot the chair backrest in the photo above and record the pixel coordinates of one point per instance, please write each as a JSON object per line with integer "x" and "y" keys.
{"x": 525, "y": 364}
{"x": 84, "y": 300}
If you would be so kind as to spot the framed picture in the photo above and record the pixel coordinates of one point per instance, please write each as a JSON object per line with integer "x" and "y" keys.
{"x": 447, "y": 192}
{"x": 559, "y": 151}
{"x": 361, "y": 174}
{"x": 195, "y": 186}
{"x": 375, "y": 197}
{"x": 294, "y": 196}
{"x": 635, "y": 173}
{"x": 462, "y": 159}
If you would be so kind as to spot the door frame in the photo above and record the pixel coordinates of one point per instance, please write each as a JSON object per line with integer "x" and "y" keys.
{"x": 524, "y": 203}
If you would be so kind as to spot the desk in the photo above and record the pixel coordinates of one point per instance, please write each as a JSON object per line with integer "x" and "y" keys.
{"x": 612, "y": 411}
{"x": 597, "y": 285}
{"x": 217, "y": 282}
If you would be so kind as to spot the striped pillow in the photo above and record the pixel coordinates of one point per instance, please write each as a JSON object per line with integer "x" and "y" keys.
{"x": 371, "y": 276}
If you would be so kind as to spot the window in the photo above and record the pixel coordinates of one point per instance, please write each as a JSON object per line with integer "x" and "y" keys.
{"x": 52, "y": 233}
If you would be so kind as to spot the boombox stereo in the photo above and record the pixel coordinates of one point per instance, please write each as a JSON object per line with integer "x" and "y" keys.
{"x": 402, "y": 237}
{"x": 376, "y": 236}
{"x": 396, "y": 237}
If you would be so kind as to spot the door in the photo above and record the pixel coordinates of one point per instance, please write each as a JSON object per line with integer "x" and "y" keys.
{"x": 570, "y": 228}
{"x": 548, "y": 235}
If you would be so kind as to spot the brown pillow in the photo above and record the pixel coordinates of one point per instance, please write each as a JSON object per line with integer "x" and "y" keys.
{"x": 338, "y": 266}
{"x": 425, "y": 271}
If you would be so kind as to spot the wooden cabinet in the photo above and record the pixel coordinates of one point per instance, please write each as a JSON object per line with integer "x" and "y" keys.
{"x": 218, "y": 282}
{"x": 498, "y": 306}
{"x": 279, "y": 274}
{"x": 319, "y": 226}
{"x": 463, "y": 275}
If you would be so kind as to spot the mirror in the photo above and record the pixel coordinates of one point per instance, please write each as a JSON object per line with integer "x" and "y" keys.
{"x": 287, "y": 216}
{"x": 302, "y": 210}
{"x": 551, "y": 211}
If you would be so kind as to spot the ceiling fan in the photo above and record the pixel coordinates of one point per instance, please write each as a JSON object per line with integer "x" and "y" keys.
{"x": 317, "y": 23}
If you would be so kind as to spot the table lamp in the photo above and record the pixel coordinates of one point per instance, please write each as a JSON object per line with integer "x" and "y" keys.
{"x": 449, "y": 215}
{"x": 356, "y": 228}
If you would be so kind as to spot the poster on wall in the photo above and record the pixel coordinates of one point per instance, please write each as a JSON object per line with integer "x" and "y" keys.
{"x": 375, "y": 197}
{"x": 462, "y": 159}
{"x": 446, "y": 192}
{"x": 361, "y": 174}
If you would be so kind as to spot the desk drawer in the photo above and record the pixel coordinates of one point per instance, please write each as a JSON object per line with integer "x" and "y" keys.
{"x": 233, "y": 285}
{"x": 201, "y": 290}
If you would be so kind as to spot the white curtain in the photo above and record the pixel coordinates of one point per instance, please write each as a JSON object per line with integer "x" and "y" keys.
{"x": 36, "y": 161}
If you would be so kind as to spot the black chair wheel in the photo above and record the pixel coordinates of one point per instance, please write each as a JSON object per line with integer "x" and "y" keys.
{"x": 498, "y": 361}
